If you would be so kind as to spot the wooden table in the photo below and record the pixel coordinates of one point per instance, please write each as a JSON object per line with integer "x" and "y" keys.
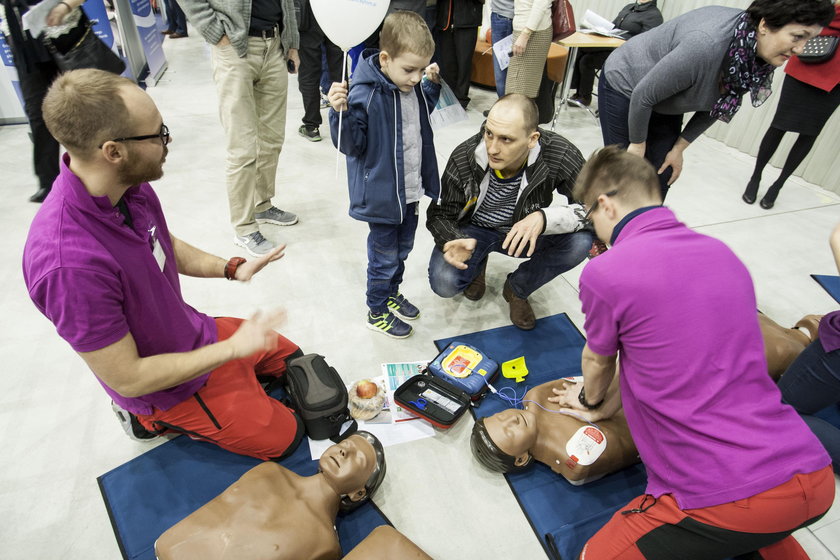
{"x": 574, "y": 42}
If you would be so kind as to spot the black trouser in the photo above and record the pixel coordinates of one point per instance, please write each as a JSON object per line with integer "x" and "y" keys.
{"x": 456, "y": 47}
{"x": 34, "y": 85}
{"x": 309, "y": 75}
{"x": 588, "y": 62}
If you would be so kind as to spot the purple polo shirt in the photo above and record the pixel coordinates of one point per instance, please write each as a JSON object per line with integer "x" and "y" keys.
{"x": 679, "y": 308}
{"x": 96, "y": 279}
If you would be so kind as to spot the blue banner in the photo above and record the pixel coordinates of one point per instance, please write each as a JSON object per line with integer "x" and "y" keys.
{"x": 150, "y": 37}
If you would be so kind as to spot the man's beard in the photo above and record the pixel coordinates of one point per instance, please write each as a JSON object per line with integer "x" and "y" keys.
{"x": 136, "y": 171}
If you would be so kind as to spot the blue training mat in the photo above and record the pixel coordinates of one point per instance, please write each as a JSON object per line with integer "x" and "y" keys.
{"x": 830, "y": 284}
{"x": 152, "y": 492}
{"x": 563, "y": 516}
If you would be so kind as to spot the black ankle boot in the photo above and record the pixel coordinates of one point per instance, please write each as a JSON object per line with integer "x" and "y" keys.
{"x": 751, "y": 192}
{"x": 769, "y": 199}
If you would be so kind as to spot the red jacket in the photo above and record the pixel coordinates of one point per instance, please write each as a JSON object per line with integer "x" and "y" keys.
{"x": 825, "y": 75}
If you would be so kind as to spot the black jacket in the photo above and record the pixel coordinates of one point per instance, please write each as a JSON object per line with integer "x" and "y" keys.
{"x": 459, "y": 13}
{"x": 553, "y": 167}
{"x": 637, "y": 18}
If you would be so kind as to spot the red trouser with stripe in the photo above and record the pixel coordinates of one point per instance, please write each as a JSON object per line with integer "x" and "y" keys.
{"x": 232, "y": 410}
{"x": 659, "y": 530}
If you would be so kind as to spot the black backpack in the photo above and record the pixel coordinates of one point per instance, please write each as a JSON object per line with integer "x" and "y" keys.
{"x": 319, "y": 396}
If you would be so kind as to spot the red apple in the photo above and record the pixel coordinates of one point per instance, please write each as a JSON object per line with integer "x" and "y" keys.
{"x": 366, "y": 389}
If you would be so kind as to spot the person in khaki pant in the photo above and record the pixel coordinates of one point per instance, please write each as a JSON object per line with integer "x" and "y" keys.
{"x": 252, "y": 43}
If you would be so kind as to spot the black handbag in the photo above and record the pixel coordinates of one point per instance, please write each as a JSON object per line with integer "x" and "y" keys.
{"x": 819, "y": 49}
{"x": 88, "y": 52}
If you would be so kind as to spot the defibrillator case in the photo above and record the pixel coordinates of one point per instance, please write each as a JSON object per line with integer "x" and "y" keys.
{"x": 432, "y": 399}
{"x": 465, "y": 367}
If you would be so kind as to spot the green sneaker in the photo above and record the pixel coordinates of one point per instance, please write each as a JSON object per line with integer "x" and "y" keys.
{"x": 403, "y": 308}
{"x": 388, "y": 324}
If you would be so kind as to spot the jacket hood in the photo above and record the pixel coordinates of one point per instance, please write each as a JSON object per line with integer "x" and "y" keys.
{"x": 368, "y": 71}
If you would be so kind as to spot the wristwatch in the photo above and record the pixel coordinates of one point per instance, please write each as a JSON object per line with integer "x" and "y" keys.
{"x": 231, "y": 266}
{"x": 586, "y": 405}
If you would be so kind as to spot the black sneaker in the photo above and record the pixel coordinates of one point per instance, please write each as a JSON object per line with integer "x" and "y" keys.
{"x": 403, "y": 308}
{"x": 311, "y": 133}
{"x": 389, "y": 324}
{"x": 133, "y": 428}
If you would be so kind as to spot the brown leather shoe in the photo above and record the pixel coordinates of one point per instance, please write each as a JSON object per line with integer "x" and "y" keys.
{"x": 521, "y": 313}
{"x": 475, "y": 291}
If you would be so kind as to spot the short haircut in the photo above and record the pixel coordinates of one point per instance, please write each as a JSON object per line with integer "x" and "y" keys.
{"x": 374, "y": 481}
{"x": 778, "y": 13}
{"x": 488, "y": 453}
{"x": 613, "y": 168}
{"x": 84, "y": 108}
{"x": 530, "y": 113}
{"x": 406, "y": 32}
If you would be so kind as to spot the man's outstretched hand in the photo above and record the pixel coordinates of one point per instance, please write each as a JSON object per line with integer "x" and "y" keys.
{"x": 246, "y": 270}
{"x": 458, "y": 251}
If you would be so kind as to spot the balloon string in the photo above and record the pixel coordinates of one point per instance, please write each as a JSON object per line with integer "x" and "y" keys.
{"x": 341, "y": 113}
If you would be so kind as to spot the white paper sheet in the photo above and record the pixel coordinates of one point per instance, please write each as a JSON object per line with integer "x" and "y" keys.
{"x": 35, "y": 19}
{"x": 502, "y": 50}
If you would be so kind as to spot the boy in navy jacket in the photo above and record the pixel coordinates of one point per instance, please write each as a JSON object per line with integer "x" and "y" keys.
{"x": 391, "y": 162}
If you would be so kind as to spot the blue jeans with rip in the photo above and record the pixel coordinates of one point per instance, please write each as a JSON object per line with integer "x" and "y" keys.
{"x": 500, "y": 27}
{"x": 663, "y": 130}
{"x": 810, "y": 384}
{"x": 554, "y": 255}
{"x": 388, "y": 246}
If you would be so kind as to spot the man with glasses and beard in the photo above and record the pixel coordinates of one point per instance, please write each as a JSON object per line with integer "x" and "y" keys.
{"x": 101, "y": 264}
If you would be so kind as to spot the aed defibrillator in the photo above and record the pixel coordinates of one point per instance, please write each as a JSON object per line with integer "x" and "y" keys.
{"x": 465, "y": 367}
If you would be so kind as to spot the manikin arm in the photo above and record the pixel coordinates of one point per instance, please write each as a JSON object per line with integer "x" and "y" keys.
{"x": 834, "y": 241}
{"x": 385, "y": 543}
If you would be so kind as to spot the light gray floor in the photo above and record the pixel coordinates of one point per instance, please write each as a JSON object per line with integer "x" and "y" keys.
{"x": 58, "y": 432}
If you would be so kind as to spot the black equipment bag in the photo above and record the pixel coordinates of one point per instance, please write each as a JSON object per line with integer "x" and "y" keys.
{"x": 319, "y": 396}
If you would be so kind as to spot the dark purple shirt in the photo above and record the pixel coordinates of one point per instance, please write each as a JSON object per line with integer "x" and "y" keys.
{"x": 830, "y": 331}
{"x": 97, "y": 279}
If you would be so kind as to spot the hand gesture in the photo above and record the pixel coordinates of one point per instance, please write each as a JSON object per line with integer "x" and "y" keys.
{"x": 520, "y": 44}
{"x": 337, "y": 96}
{"x": 257, "y": 334}
{"x": 432, "y": 72}
{"x": 458, "y": 251}
{"x": 246, "y": 270}
{"x": 524, "y": 233}
{"x": 57, "y": 14}
{"x": 568, "y": 396}
{"x": 674, "y": 160}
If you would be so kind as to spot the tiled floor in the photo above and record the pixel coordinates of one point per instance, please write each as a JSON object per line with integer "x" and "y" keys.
{"x": 58, "y": 432}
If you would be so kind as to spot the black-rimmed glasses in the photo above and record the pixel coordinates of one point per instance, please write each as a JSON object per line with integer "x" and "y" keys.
{"x": 587, "y": 218}
{"x": 163, "y": 135}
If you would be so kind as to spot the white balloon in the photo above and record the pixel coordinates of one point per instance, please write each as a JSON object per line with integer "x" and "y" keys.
{"x": 349, "y": 22}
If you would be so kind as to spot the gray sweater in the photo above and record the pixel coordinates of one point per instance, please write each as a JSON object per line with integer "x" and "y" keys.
{"x": 673, "y": 69}
{"x": 214, "y": 18}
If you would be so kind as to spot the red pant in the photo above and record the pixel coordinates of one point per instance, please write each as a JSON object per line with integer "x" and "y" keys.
{"x": 232, "y": 409}
{"x": 762, "y": 522}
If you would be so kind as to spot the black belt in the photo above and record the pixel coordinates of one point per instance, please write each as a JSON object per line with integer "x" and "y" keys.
{"x": 264, "y": 33}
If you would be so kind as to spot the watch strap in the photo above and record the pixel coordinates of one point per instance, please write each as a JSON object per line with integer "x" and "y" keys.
{"x": 231, "y": 266}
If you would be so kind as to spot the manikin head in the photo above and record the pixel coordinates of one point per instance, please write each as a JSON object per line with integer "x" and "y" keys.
{"x": 354, "y": 468}
{"x": 108, "y": 123}
{"x": 511, "y": 132}
{"x": 406, "y": 48}
{"x": 784, "y": 26}
{"x": 502, "y": 442}
{"x": 612, "y": 184}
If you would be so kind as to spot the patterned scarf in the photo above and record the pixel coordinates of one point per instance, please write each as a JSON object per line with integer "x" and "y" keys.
{"x": 742, "y": 72}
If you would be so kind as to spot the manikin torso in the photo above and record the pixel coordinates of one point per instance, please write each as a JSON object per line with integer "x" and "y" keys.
{"x": 555, "y": 431}
{"x": 270, "y": 513}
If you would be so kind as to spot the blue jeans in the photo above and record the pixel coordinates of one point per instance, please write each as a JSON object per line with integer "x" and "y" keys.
{"x": 811, "y": 383}
{"x": 177, "y": 18}
{"x": 388, "y": 246}
{"x": 663, "y": 130}
{"x": 554, "y": 255}
{"x": 500, "y": 27}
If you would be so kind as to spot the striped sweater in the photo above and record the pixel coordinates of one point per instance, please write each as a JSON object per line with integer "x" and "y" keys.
{"x": 553, "y": 165}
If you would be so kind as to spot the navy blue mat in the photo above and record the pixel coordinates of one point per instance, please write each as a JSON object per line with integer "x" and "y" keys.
{"x": 563, "y": 516}
{"x": 149, "y": 494}
{"x": 830, "y": 284}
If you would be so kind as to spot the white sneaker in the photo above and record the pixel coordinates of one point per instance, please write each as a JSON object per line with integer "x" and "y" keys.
{"x": 276, "y": 217}
{"x": 254, "y": 243}
{"x": 131, "y": 425}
